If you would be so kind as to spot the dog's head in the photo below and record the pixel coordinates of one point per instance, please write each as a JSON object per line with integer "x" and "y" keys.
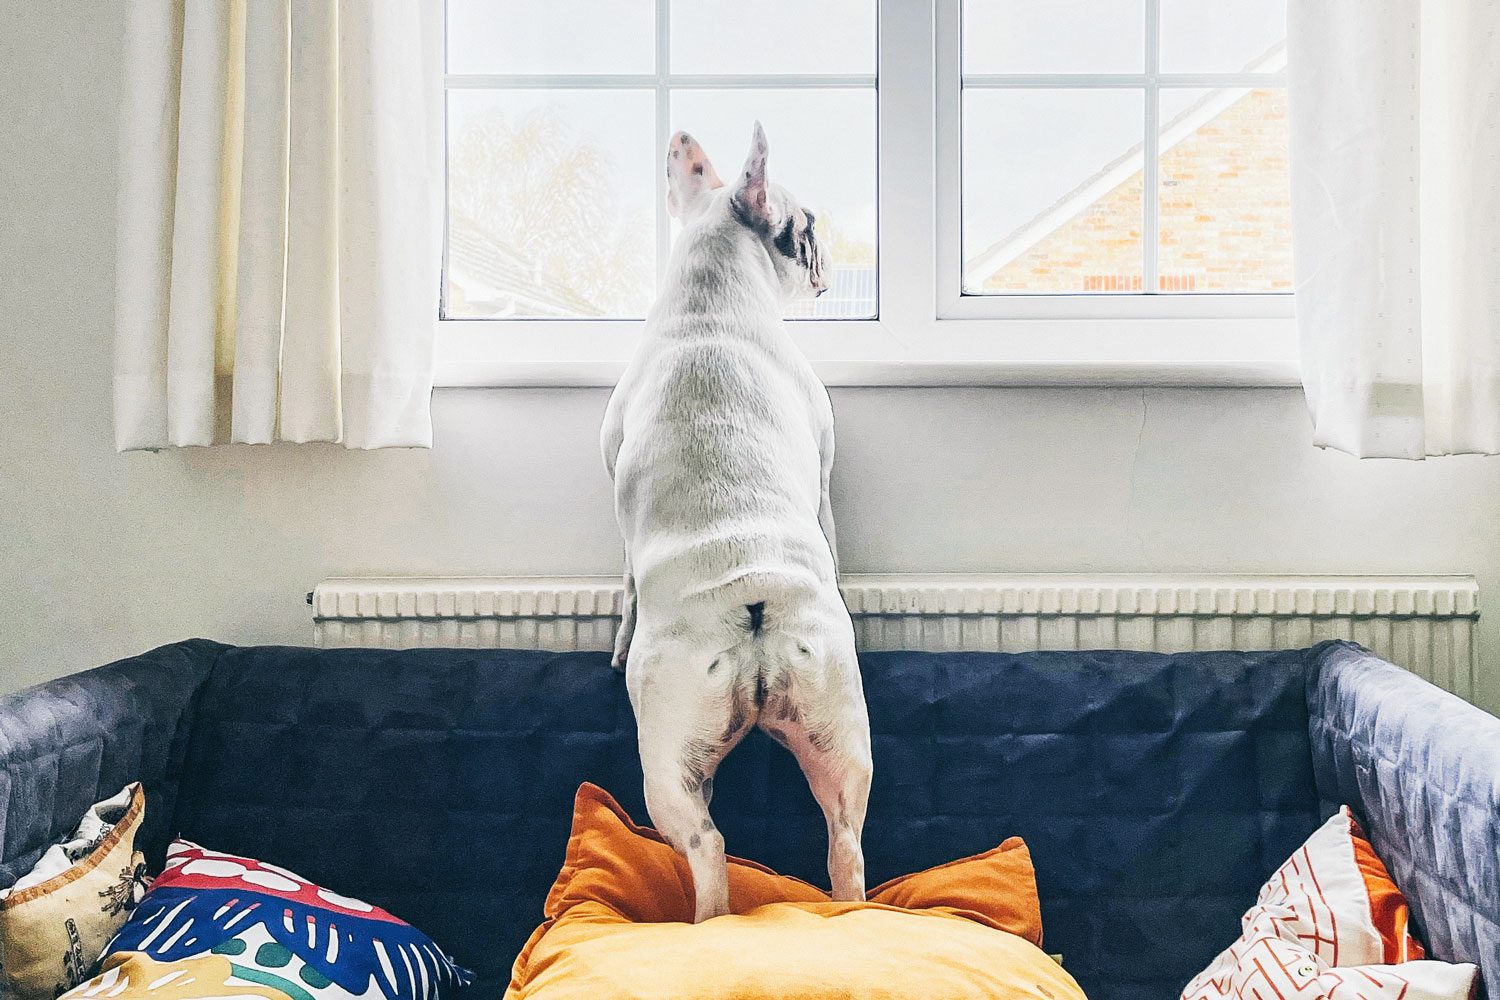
{"x": 767, "y": 210}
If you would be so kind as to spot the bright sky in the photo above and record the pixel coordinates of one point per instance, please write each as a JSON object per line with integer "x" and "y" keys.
{"x": 1022, "y": 149}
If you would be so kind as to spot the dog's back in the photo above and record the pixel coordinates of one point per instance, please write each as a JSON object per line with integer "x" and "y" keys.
{"x": 727, "y": 483}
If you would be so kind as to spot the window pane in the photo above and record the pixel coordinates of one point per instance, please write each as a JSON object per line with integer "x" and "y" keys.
{"x": 1055, "y": 36}
{"x": 823, "y": 151}
{"x": 773, "y": 36}
{"x": 1226, "y": 220}
{"x": 559, "y": 36}
{"x": 550, "y": 204}
{"x": 1229, "y": 36}
{"x": 1052, "y": 190}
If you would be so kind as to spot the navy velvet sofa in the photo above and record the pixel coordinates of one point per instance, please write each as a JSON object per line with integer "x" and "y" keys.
{"x": 1156, "y": 792}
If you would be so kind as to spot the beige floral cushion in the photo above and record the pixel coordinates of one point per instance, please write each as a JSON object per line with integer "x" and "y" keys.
{"x": 56, "y": 920}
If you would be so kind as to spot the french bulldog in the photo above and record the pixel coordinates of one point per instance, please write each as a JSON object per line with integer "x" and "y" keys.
{"x": 719, "y": 438}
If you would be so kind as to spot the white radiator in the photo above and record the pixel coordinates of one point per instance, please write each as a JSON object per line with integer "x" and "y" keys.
{"x": 1424, "y": 623}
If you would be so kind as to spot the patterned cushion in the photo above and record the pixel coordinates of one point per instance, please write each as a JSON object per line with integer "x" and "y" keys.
{"x": 1153, "y": 791}
{"x": 130, "y": 976}
{"x": 1330, "y": 923}
{"x": 57, "y": 918}
{"x": 276, "y": 929}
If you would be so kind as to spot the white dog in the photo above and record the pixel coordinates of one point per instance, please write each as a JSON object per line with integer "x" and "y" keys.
{"x": 720, "y": 441}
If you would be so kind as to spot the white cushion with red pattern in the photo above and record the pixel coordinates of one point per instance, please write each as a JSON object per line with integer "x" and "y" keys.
{"x": 1330, "y": 923}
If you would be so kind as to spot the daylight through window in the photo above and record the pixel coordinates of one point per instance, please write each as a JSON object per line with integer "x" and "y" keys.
{"x": 1124, "y": 146}
{"x": 559, "y": 113}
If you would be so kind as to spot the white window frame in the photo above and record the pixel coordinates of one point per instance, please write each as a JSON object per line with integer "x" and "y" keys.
{"x": 927, "y": 333}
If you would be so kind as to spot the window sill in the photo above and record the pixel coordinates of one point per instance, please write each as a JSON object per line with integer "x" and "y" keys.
{"x": 1209, "y": 353}
{"x": 915, "y": 374}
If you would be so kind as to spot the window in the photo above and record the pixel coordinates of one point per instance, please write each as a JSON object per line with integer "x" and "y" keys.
{"x": 559, "y": 113}
{"x": 1124, "y": 146}
{"x": 1073, "y": 192}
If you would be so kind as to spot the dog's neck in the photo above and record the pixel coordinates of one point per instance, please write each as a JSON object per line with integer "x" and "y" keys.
{"x": 721, "y": 274}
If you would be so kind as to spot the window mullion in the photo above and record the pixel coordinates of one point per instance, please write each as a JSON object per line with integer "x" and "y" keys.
{"x": 1119, "y": 81}
{"x": 772, "y": 81}
{"x": 946, "y": 164}
{"x": 904, "y": 165}
{"x": 663, "y": 127}
{"x": 1151, "y": 167}
{"x": 636, "y": 81}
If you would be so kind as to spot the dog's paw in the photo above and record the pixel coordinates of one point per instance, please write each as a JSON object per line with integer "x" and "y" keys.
{"x": 617, "y": 662}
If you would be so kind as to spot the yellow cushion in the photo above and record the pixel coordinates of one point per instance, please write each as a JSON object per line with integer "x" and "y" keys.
{"x": 132, "y": 976}
{"x": 616, "y": 926}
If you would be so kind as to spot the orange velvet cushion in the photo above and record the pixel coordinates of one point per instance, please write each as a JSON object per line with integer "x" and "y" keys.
{"x": 617, "y": 924}
{"x": 630, "y": 870}
{"x": 1388, "y": 910}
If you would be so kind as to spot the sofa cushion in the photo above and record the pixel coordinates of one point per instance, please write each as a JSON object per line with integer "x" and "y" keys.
{"x": 620, "y": 914}
{"x": 277, "y": 929}
{"x": 1153, "y": 791}
{"x": 612, "y": 862}
{"x": 57, "y": 918}
{"x": 630, "y": 870}
{"x": 788, "y": 951}
{"x": 1330, "y": 925}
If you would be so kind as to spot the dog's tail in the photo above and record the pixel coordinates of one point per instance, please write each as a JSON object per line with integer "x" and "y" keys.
{"x": 799, "y": 637}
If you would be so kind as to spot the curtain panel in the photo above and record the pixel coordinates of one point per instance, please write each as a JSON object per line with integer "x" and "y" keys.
{"x": 1395, "y": 108}
{"x": 279, "y": 219}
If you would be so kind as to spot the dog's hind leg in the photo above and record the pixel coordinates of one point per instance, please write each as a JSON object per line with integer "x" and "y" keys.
{"x": 816, "y": 709}
{"x": 626, "y": 630}
{"x": 691, "y": 708}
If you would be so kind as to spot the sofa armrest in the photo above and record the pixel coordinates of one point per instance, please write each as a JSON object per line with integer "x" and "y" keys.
{"x": 1421, "y": 768}
{"x": 68, "y": 743}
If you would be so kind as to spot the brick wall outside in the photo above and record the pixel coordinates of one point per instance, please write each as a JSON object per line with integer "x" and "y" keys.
{"x": 1225, "y": 217}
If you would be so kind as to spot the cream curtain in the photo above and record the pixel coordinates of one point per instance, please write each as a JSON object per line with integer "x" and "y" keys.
{"x": 1395, "y": 110}
{"x": 279, "y": 222}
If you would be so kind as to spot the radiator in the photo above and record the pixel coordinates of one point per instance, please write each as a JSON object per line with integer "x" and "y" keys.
{"x": 1423, "y": 623}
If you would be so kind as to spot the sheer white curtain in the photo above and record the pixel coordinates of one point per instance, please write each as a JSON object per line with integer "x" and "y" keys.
{"x": 279, "y": 222}
{"x": 1395, "y": 110}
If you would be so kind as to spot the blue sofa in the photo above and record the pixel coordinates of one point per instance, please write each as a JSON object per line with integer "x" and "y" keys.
{"x": 1156, "y": 792}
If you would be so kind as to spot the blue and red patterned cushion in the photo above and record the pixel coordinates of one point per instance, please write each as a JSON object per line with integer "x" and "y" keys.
{"x": 276, "y": 930}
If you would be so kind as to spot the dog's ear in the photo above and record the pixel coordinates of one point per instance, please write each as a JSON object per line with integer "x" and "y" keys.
{"x": 752, "y": 196}
{"x": 689, "y": 175}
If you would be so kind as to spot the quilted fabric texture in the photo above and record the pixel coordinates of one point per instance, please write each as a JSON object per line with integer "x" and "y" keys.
{"x": 1156, "y": 792}
{"x": 70, "y": 743}
{"x": 1423, "y": 768}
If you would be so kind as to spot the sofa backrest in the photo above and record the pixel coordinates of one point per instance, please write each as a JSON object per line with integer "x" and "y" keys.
{"x": 74, "y": 741}
{"x": 1156, "y": 792}
{"x": 1421, "y": 767}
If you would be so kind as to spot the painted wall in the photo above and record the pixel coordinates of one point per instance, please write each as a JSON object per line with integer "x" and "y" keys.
{"x": 102, "y": 555}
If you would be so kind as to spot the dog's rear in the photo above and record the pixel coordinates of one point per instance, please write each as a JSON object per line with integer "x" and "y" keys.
{"x": 720, "y": 441}
{"x": 717, "y": 667}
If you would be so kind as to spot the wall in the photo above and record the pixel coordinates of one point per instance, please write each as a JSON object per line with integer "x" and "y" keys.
{"x": 102, "y": 555}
